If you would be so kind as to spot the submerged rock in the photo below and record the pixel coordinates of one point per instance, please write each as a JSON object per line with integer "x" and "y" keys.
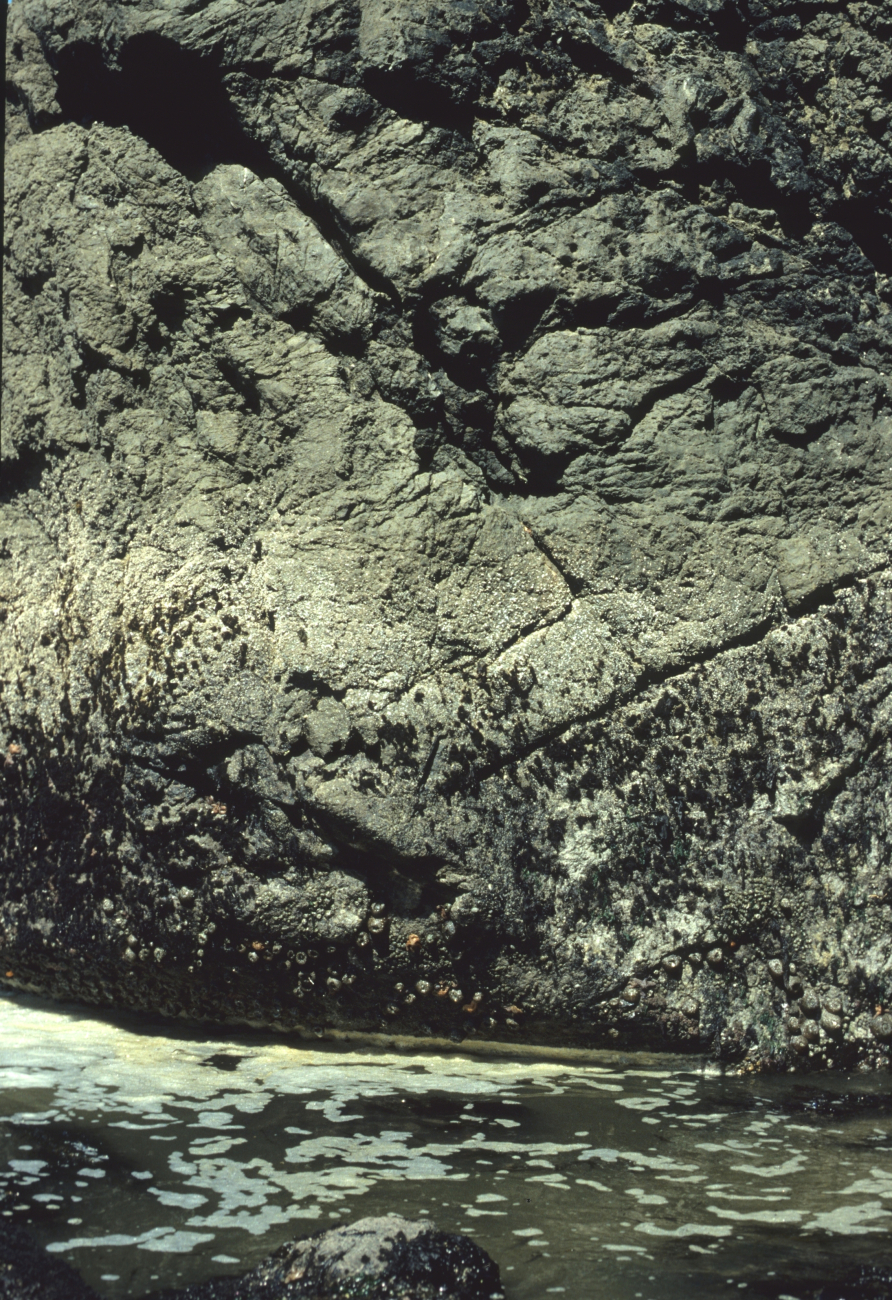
{"x": 384, "y": 1258}
{"x": 27, "y": 1272}
{"x": 445, "y": 517}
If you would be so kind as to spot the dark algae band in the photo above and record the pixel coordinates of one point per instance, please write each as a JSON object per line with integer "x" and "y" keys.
{"x": 444, "y": 520}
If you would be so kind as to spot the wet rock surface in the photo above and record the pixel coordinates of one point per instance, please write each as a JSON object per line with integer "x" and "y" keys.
{"x": 445, "y": 519}
{"x": 384, "y": 1258}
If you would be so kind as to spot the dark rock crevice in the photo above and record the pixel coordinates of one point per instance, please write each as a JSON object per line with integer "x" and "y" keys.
{"x": 650, "y": 678}
{"x": 176, "y": 100}
{"x": 870, "y": 228}
{"x": 173, "y": 98}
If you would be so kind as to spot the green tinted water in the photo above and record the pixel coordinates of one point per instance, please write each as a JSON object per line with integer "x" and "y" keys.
{"x": 152, "y": 1158}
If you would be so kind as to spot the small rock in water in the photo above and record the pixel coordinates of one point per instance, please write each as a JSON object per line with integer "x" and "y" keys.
{"x": 389, "y": 1257}
{"x": 27, "y": 1272}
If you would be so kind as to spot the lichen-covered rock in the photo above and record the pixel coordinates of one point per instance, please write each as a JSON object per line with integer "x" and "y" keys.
{"x": 446, "y": 496}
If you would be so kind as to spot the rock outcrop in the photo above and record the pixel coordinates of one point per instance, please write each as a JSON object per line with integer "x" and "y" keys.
{"x": 445, "y": 517}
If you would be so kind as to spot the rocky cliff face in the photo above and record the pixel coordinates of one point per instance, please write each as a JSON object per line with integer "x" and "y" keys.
{"x": 446, "y": 515}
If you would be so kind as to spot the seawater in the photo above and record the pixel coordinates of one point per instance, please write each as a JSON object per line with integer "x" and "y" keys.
{"x": 151, "y": 1156}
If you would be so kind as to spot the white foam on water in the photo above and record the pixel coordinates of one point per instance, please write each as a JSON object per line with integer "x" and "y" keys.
{"x": 792, "y": 1166}
{"x": 180, "y": 1200}
{"x": 390, "y": 1129}
{"x": 879, "y": 1182}
{"x": 685, "y": 1230}
{"x": 645, "y": 1198}
{"x": 758, "y": 1216}
{"x": 176, "y": 1243}
{"x": 852, "y": 1220}
{"x": 747, "y": 1196}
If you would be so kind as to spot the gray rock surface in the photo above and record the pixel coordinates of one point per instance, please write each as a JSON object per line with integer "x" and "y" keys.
{"x": 445, "y": 517}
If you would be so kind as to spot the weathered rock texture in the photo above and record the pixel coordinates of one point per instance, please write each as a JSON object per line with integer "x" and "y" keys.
{"x": 446, "y": 515}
